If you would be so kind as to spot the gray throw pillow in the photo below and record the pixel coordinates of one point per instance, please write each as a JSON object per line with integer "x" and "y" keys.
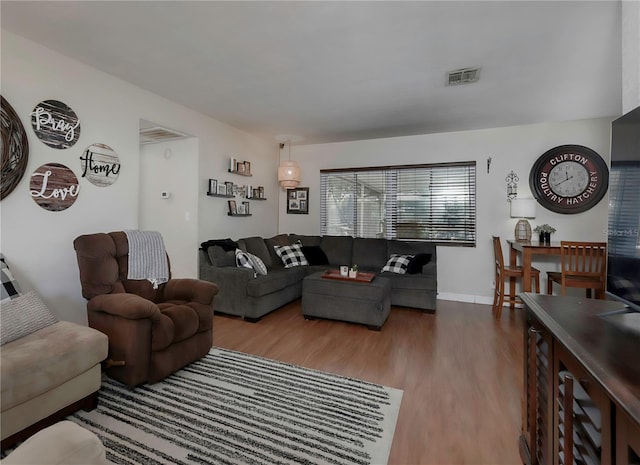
{"x": 22, "y": 316}
{"x": 219, "y": 257}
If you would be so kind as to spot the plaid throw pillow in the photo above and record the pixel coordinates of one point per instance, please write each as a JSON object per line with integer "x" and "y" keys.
{"x": 291, "y": 255}
{"x": 253, "y": 262}
{"x": 10, "y": 288}
{"x": 397, "y": 264}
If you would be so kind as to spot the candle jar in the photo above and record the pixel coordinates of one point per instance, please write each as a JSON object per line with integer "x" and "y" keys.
{"x": 545, "y": 237}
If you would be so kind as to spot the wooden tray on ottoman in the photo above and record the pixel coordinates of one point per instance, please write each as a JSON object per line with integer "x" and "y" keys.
{"x": 361, "y": 277}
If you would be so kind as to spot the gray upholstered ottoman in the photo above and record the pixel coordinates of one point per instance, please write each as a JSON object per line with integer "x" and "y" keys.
{"x": 365, "y": 303}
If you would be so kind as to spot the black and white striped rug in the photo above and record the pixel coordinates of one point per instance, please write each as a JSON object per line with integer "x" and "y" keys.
{"x": 235, "y": 408}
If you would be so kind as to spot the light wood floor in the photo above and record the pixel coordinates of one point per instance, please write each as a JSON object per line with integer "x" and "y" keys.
{"x": 461, "y": 372}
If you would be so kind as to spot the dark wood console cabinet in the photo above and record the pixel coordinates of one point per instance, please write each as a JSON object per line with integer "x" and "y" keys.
{"x": 581, "y": 402}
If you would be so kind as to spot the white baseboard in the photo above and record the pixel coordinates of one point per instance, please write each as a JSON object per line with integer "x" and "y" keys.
{"x": 472, "y": 299}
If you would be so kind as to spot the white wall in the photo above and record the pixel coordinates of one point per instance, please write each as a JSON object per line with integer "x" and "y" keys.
{"x": 38, "y": 243}
{"x": 172, "y": 167}
{"x": 630, "y": 55}
{"x": 214, "y": 222}
{"x": 464, "y": 273}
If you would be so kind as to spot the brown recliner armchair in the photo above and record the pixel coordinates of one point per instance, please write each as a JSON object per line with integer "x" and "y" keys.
{"x": 153, "y": 331}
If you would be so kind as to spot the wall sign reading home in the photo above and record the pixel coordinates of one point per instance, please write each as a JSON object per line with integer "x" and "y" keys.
{"x": 54, "y": 187}
{"x": 55, "y": 124}
{"x": 100, "y": 165}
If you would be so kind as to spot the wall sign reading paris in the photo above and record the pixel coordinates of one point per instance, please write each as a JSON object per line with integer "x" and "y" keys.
{"x": 55, "y": 124}
{"x": 100, "y": 165}
{"x": 54, "y": 187}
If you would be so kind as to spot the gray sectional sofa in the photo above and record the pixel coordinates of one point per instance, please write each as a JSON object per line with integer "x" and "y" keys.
{"x": 244, "y": 293}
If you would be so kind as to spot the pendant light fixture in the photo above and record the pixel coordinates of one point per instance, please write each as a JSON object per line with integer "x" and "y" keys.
{"x": 288, "y": 171}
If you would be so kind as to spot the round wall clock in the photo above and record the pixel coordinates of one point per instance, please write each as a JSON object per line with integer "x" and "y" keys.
{"x": 569, "y": 179}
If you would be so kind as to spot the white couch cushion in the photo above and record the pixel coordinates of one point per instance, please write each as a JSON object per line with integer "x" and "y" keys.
{"x": 62, "y": 443}
{"x": 36, "y": 363}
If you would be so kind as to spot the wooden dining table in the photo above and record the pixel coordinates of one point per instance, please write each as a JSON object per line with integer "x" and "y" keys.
{"x": 527, "y": 249}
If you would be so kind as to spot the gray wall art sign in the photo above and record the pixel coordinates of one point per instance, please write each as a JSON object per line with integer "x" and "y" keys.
{"x": 55, "y": 124}
{"x": 100, "y": 165}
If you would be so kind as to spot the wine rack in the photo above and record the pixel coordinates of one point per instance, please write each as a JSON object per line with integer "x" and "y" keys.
{"x": 583, "y": 418}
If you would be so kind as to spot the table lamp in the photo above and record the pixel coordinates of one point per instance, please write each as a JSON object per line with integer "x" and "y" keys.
{"x": 523, "y": 208}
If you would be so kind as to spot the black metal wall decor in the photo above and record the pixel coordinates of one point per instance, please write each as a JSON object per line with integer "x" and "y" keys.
{"x": 55, "y": 124}
{"x": 100, "y": 165}
{"x": 54, "y": 187}
{"x": 15, "y": 149}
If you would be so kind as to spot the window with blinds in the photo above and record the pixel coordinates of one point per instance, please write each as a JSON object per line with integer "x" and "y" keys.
{"x": 423, "y": 202}
{"x": 624, "y": 214}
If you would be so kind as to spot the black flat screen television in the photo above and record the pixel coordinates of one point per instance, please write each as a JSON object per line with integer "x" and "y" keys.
{"x": 623, "y": 250}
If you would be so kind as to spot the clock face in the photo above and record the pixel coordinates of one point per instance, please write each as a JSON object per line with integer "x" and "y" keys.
{"x": 569, "y": 179}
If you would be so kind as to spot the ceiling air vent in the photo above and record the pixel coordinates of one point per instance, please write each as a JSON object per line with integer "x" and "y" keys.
{"x": 463, "y": 76}
{"x": 159, "y": 134}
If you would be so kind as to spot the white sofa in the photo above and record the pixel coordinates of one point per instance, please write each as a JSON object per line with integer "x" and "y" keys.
{"x": 51, "y": 372}
{"x": 48, "y": 368}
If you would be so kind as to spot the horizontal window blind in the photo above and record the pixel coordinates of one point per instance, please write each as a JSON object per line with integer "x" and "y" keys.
{"x": 422, "y": 202}
{"x": 624, "y": 215}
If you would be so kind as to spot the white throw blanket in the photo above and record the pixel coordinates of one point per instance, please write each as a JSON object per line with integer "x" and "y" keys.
{"x": 147, "y": 257}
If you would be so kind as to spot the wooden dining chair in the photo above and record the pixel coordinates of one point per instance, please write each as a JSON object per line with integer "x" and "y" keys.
{"x": 504, "y": 273}
{"x": 583, "y": 265}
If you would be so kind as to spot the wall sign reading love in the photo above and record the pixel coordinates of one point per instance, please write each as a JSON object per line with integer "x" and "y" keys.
{"x": 54, "y": 187}
{"x": 55, "y": 124}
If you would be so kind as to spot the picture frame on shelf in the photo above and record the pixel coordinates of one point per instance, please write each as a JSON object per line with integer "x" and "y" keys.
{"x": 232, "y": 164}
{"x": 240, "y": 167}
{"x": 298, "y": 201}
{"x": 213, "y": 186}
{"x": 245, "y": 208}
{"x": 222, "y": 189}
{"x": 261, "y": 195}
{"x": 256, "y": 193}
{"x": 233, "y": 209}
{"x": 229, "y": 186}
{"x": 247, "y": 168}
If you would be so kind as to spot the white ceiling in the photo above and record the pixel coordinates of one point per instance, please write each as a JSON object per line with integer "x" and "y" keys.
{"x": 333, "y": 71}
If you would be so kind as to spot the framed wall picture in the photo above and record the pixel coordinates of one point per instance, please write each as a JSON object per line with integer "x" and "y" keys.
{"x": 233, "y": 209}
{"x": 229, "y": 186}
{"x": 213, "y": 186}
{"x": 298, "y": 201}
